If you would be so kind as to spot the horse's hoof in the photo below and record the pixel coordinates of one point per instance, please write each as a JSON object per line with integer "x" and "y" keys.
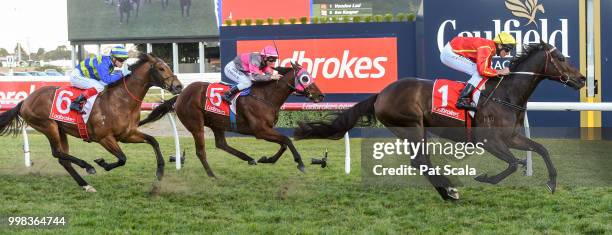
{"x": 452, "y": 193}
{"x": 262, "y": 159}
{"x": 482, "y": 178}
{"x": 252, "y": 162}
{"x": 91, "y": 171}
{"x": 552, "y": 186}
{"x": 89, "y": 189}
{"x": 301, "y": 168}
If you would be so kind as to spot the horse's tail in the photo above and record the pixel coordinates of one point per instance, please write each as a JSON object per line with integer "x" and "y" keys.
{"x": 10, "y": 121}
{"x": 161, "y": 110}
{"x": 343, "y": 122}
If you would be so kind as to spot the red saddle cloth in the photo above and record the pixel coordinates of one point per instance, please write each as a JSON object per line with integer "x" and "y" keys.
{"x": 445, "y": 95}
{"x": 60, "y": 109}
{"x": 214, "y": 103}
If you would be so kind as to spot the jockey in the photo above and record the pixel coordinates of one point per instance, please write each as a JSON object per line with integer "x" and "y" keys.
{"x": 472, "y": 55}
{"x": 249, "y": 67}
{"x": 94, "y": 73}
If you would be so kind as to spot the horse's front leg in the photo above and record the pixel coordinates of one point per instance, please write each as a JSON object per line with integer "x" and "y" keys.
{"x": 275, "y": 157}
{"x": 221, "y": 143}
{"x": 269, "y": 134}
{"x": 501, "y": 151}
{"x": 521, "y": 142}
{"x": 111, "y": 145}
{"x": 139, "y": 137}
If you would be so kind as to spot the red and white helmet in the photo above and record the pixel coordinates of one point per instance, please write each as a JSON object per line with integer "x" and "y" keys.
{"x": 269, "y": 51}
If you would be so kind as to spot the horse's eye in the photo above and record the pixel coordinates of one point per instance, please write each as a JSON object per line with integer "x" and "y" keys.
{"x": 562, "y": 58}
{"x": 305, "y": 79}
{"x": 161, "y": 69}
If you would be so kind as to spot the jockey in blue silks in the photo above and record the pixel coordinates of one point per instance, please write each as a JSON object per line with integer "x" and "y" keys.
{"x": 94, "y": 73}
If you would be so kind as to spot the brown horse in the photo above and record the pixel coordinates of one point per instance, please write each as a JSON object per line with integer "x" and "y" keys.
{"x": 114, "y": 117}
{"x": 256, "y": 114}
{"x": 405, "y": 108}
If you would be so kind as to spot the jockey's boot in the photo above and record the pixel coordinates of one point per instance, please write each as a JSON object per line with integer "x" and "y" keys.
{"x": 464, "y": 101}
{"x": 227, "y": 96}
{"x": 77, "y": 104}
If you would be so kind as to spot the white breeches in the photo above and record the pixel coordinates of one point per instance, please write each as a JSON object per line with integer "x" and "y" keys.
{"x": 460, "y": 63}
{"x": 237, "y": 76}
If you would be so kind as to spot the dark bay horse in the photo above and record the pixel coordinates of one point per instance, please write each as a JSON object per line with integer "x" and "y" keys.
{"x": 114, "y": 117}
{"x": 257, "y": 114}
{"x": 405, "y": 108}
{"x": 125, "y": 7}
{"x": 185, "y": 6}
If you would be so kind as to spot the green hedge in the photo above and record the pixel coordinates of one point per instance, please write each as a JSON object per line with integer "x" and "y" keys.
{"x": 400, "y": 17}
{"x": 290, "y": 119}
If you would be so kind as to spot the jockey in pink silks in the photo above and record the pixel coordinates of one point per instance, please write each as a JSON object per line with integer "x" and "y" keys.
{"x": 247, "y": 68}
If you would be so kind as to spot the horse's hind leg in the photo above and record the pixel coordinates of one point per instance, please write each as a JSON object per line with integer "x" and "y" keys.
{"x": 441, "y": 183}
{"x": 221, "y": 143}
{"x": 198, "y": 138}
{"x": 59, "y": 149}
{"x": 523, "y": 143}
{"x": 139, "y": 137}
{"x": 111, "y": 145}
{"x": 194, "y": 123}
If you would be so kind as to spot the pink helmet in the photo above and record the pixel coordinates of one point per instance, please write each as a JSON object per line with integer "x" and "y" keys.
{"x": 269, "y": 51}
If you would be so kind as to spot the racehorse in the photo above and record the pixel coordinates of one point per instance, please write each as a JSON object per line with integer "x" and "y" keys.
{"x": 136, "y": 6}
{"x": 257, "y": 114}
{"x": 185, "y": 5}
{"x": 125, "y": 7}
{"x": 114, "y": 117}
{"x": 164, "y": 4}
{"x": 405, "y": 108}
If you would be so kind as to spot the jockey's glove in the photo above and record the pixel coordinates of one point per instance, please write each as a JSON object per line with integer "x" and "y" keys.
{"x": 125, "y": 71}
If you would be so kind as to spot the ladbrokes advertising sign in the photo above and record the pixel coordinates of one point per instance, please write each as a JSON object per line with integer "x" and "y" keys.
{"x": 340, "y": 65}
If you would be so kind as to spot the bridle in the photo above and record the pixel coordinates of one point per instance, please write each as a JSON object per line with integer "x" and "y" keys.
{"x": 563, "y": 77}
{"x": 297, "y": 79}
{"x": 549, "y": 59}
{"x": 152, "y": 67}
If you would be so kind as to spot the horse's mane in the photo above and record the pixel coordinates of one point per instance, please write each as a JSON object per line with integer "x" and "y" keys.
{"x": 281, "y": 70}
{"x": 142, "y": 59}
{"x": 527, "y": 51}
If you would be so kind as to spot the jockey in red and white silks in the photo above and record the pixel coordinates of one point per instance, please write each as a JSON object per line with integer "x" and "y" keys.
{"x": 252, "y": 67}
{"x": 472, "y": 55}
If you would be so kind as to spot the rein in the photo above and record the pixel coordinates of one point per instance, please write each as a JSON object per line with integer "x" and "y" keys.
{"x": 523, "y": 108}
{"x": 128, "y": 91}
{"x": 162, "y": 85}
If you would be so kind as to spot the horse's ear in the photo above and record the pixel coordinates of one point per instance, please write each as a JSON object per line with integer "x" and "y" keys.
{"x": 295, "y": 65}
{"x": 151, "y": 57}
{"x": 282, "y": 70}
{"x": 543, "y": 44}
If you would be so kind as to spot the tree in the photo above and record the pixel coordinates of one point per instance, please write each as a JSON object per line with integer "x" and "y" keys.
{"x": 4, "y": 52}
{"x": 39, "y": 55}
{"x": 18, "y": 48}
{"x": 60, "y": 53}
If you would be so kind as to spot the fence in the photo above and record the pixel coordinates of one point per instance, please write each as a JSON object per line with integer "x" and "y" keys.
{"x": 531, "y": 106}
